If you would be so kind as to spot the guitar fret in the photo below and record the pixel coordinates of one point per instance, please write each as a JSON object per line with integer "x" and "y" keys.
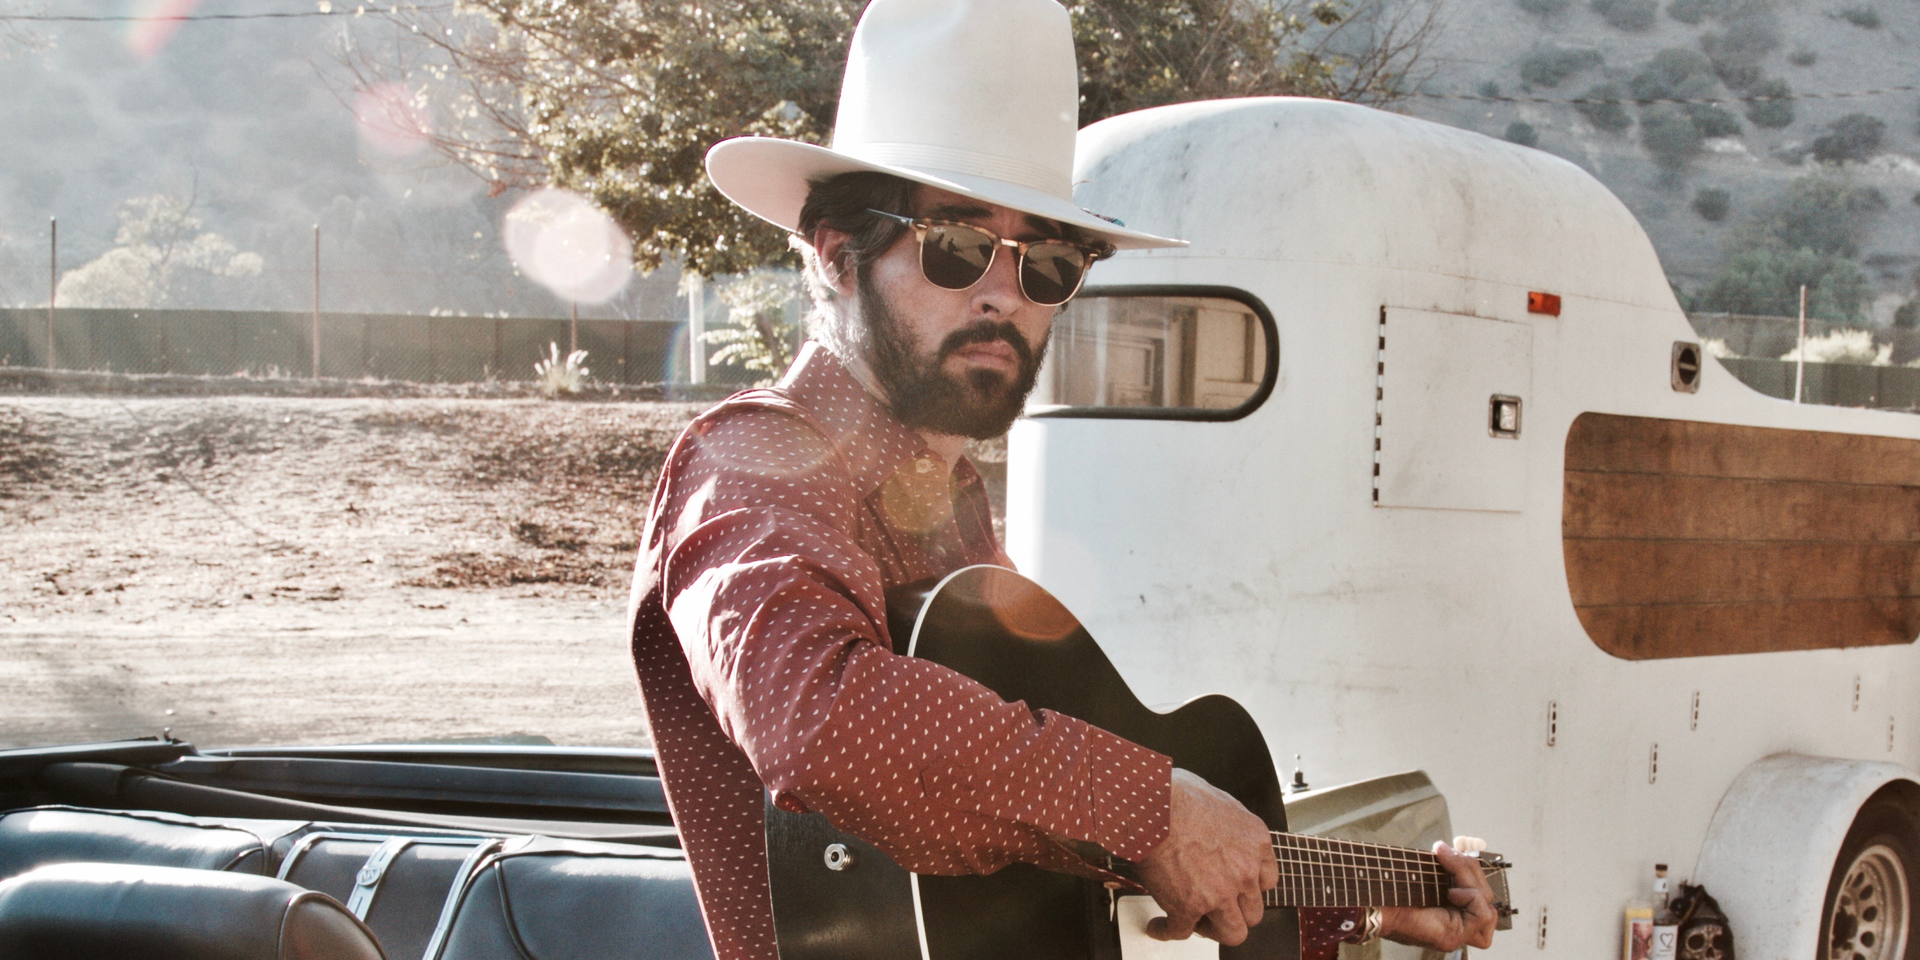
{"x": 1325, "y": 872}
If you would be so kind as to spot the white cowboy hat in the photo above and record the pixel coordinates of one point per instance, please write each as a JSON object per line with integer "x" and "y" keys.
{"x": 980, "y": 97}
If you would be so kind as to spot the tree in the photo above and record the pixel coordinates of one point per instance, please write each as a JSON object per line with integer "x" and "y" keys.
{"x": 1773, "y": 107}
{"x": 1809, "y": 235}
{"x": 159, "y": 244}
{"x": 620, "y": 100}
{"x": 760, "y": 337}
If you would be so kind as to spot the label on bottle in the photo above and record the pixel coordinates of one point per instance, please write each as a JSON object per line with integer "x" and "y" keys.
{"x": 1666, "y": 939}
{"x": 1639, "y": 943}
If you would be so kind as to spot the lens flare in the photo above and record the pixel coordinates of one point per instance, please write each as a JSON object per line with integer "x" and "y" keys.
{"x": 568, "y": 245}
{"x": 392, "y": 119}
{"x": 154, "y": 23}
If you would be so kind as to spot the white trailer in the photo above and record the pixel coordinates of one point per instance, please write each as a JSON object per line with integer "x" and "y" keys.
{"x": 1475, "y": 514}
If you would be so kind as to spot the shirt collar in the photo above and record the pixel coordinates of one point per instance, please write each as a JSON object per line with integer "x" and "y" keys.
{"x": 873, "y": 442}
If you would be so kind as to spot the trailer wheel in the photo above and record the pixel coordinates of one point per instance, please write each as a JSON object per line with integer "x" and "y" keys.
{"x": 1869, "y": 911}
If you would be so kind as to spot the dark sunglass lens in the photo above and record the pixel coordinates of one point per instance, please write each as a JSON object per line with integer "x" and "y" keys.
{"x": 954, "y": 256}
{"x": 1051, "y": 272}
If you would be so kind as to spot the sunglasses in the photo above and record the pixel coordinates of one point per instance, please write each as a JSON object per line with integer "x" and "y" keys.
{"x": 956, "y": 255}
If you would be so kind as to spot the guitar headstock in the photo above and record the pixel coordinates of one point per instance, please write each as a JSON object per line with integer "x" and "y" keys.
{"x": 1495, "y": 867}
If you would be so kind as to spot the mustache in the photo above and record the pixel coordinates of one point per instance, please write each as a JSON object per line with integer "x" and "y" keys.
{"x": 987, "y": 331}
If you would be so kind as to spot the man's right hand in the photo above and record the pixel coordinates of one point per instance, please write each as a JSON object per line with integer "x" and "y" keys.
{"x": 1209, "y": 871}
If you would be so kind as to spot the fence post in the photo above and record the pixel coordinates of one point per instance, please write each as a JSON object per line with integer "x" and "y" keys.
{"x": 696, "y": 329}
{"x": 53, "y": 279}
{"x": 316, "y": 301}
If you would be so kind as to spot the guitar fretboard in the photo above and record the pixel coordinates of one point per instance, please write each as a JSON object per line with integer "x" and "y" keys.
{"x": 1318, "y": 872}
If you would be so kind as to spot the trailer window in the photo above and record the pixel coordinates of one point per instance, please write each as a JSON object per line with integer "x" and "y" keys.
{"x": 1177, "y": 353}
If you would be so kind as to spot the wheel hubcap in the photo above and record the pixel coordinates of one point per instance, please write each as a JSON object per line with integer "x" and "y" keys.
{"x": 1870, "y": 915}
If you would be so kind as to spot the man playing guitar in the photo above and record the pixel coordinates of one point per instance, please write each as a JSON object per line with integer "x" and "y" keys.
{"x": 940, "y": 239}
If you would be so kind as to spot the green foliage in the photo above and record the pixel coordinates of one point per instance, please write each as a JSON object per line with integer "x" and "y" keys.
{"x": 1736, "y": 53}
{"x": 1544, "y": 7}
{"x": 158, "y": 255}
{"x": 1825, "y": 214}
{"x": 1774, "y": 113}
{"x": 1766, "y": 282}
{"x": 620, "y": 100}
{"x": 1803, "y": 57}
{"x": 1547, "y": 68}
{"x": 1522, "y": 133}
{"x": 1809, "y": 235}
{"x": 1866, "y": 18}
{"x": 1712, "y": 204}
{"x": 1712, "y": 121}
{"x": 1670, "y": 137}
{"x": 1488, "y": 88}
{"x": 1633, "y": 16}
{"x": 1135, "y": 54}
{"x": 1907, "y": 315}
{"x": 1690, "y": 12}
{"x": 1855, "y": 137}
{"x": 1675, "y": 73}
{"x": 1603, "y": 107}
{"x": 760, "y": 337}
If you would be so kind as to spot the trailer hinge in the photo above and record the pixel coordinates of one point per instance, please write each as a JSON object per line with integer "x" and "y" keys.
{"x": 1540, "y": 938}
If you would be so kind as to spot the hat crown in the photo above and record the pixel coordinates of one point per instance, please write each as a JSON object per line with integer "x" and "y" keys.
{"x": 983, "y": 88}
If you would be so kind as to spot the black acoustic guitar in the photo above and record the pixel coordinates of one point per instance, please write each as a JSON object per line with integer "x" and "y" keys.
{"x": 836, "y": 897}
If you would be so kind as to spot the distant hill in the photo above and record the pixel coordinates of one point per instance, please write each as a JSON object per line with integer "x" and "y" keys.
{"x": 235, "y": 115}
{"x": 1564, "y": 49}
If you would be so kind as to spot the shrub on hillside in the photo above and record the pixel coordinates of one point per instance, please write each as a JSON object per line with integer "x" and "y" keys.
{"x": 1907, "y": 315}
{"x": 1712, "y": 121}
{"x": 1855, "y": 137}
{"x": 1712, "y": 204}
{"x": 1489, "y": 89}
{"x": 1670, "y": 137}
{"x": 1822, "y": 213}
{"x": 1675, "y": 73}
{"x": 1522, "y": 133}
{"x": 1773, "y": 113}
{"x": 1544, "y": 7}
{"x": 1603, "y": 106}
{"x": 1803, "y": 57}
{"x": 1866, "y": 18}
{"x": 1738, "y": 51}
{"x": 1547, "y": 68}
{"x": 1633, "y": 16}
{"x": 1690, "y": 12}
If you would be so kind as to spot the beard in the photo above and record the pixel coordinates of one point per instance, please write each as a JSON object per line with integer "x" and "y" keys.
{"x": 980, "y": 404}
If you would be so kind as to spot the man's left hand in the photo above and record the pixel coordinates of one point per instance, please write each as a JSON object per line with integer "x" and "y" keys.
{"x": 1468, "y": 923}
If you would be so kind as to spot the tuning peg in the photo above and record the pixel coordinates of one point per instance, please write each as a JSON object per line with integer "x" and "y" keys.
{"x": 1469, "y": 845}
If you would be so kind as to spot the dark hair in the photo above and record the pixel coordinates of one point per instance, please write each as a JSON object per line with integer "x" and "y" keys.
{"x": 841, "y": 202}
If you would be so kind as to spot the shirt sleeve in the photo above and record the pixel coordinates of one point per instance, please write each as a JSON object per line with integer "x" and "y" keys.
{"x": 1324, "y": 929}
{"x": 782, "y": 617}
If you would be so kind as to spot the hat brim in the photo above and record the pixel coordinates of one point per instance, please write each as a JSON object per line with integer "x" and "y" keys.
{"x": 769, "y": 178}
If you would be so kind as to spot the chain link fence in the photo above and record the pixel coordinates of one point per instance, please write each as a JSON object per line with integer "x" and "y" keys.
{"x": 353, "y": 346}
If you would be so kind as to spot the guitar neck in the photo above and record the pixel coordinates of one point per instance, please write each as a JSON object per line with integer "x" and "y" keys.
{"x": 1319, "y": 872}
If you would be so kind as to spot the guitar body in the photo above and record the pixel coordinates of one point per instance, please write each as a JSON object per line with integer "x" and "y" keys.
{"x": 1006, "y": 632}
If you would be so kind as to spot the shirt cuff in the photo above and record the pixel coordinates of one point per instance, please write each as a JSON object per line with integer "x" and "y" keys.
{"x": 1324, "y": 929}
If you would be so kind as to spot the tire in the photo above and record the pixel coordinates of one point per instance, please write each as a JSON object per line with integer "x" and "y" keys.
{"x": 1869, "y": 912}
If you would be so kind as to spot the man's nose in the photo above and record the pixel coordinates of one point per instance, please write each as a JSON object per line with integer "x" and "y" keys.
{"x": 999, "y": 290}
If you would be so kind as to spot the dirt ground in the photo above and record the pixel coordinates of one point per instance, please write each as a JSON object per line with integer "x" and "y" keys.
{"x": 250, "y": 570}
{"x": 274, "y": 569}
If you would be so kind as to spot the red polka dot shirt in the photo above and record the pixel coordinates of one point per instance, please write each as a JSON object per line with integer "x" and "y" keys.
{"x": 760, "y": 639}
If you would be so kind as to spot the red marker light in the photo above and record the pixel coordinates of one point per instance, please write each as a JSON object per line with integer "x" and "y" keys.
{"x": 1547, "y": 303}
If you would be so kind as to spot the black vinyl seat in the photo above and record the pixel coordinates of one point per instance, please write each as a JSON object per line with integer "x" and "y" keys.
{"x": 547, "y": 899}
{"x": 38, "y": 836}
{"x": 137, "y": 912}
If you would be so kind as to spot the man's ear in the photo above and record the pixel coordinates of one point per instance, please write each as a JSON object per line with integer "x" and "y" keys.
{"x": 830, "y": 252}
